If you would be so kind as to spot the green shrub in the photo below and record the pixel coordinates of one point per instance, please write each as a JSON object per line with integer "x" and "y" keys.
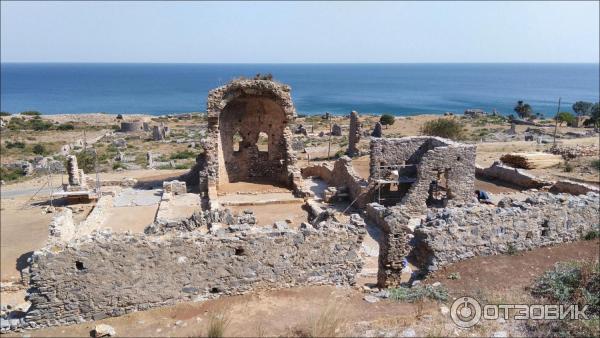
{"x": 86, "y": 160}
{"x": 65, "y": 126}
{"x": 592, "y": 234}
{"x": 596, "y": 164}
{"x": 187, "y": 165}
{"x": 3, "y": 113}
{"x": 180, "y": 155}
{"x": 39, "y": 149}
{"x": 118, "y": 165}
{"x": 444, "y": 127}
{"x": 571, "y": 283}
{"x": 8, "y": 175}
{"x": 511, "y": 250}
{"x": 418, "y": 293}
{"x": 16, "y": 144}
{"x": 31, "y": 113}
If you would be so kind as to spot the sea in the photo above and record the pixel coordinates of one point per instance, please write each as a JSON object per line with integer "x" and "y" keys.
{"x": 399, "y": 89}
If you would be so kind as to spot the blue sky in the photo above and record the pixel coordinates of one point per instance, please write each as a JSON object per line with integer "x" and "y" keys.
{"x": 295, "y": 32}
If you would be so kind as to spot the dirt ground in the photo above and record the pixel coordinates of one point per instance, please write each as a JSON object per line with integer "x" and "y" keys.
{"x": 293, "y": 311}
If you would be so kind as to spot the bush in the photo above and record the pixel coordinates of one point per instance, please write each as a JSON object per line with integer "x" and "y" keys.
{"x": 65, "y": 127}
{"x": 3, "y": 113}
{"x": 592, "y": 234}
{"x": 387, "y": 120}
{"x": 31, "y": 113}
{"x": 443, "y": 127}
{"x": 39, "y": 149}
{"x": 38, "y": 124}
{"x": 511, "y": 250}
{"x": 16, "y": 144}
{"x": 86, "y": 160}
{"x": 571, "y": 283}
{"x": 11, "y": 174}
{"x": 180, "y": 155}
{"x": 596, "y": 164}
{"x": 418, "y": 293}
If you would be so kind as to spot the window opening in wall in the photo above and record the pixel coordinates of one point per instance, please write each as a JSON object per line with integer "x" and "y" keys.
{"x": 237, "y": 140}
{"x": 263, "y": 142}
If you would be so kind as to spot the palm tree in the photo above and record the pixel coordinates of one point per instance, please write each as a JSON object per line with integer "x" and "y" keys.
{"x": 523, "y": 109}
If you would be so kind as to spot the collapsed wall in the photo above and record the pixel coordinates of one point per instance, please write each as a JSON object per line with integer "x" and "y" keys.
{"x": 104, "y": 274}
{"x": 454, "y": 234}
{"x": 342, "y": 174}
{"x": 513, "y": 176}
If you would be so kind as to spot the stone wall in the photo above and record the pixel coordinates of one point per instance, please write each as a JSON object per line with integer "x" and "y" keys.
{"x": 354, "y": 135}
{"x": 454, "y": 234}
{"x": 432, "y": 162}
{"x": 133, "y": 126}
{"x": 106, "y": 274}
{"x": 512, "y": 176}
{"x": 342, "y": 174}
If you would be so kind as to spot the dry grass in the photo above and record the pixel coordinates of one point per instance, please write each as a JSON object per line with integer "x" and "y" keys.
{"x": 217, "y": 324}
{"x": 328, "y": 323}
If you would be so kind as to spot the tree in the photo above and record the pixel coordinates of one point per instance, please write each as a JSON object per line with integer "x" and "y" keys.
{"x": 447, "y": 128}
{"x": 523, "y": 109}
{"x": 565, "y": 117}
{"x": 387, "y": 120}
{"x": 594, "y": 115}
{"x": 582, "y": 107}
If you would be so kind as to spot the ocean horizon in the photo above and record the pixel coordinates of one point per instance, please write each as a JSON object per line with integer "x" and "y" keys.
{"x": 369, "y": 88}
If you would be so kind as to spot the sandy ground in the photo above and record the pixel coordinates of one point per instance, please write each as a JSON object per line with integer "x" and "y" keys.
{"x": 134, "y": 219}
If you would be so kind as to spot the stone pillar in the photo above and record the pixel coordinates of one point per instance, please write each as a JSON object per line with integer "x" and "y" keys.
{"x": 377, "y": 132}
{"x": 354, "y": 135}
{"x": 393, "y": 250}
{"x": 336, "y": 130}
{"x": 73, "y": 170}
{"x": 150, "y": 159}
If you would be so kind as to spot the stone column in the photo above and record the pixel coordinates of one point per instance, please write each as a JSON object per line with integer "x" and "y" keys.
{"x": 150, "y": 159}
{"x": 73, "y": 170}
{"x": 377, "y": 132}
{"x": 354, "y": 135}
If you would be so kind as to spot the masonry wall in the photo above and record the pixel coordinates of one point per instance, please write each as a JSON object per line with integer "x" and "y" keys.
{"x": 113, "y": 274}
{"x": 433, "y": 157}
{"x": 543, "y": 219}
{"x": 342, "y": 174}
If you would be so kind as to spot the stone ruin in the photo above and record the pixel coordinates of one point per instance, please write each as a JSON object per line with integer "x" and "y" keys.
{"x": 241, "y": 115}
{"x": 160, "y": 132}
{"x": 77, "y": 178}
{"x": 422, "y": 171}
{"x": 377, "y": 130}
{"x": 354, "y": 135}
{"x": 336, "y": 130}
{"x": 87, "y": 273}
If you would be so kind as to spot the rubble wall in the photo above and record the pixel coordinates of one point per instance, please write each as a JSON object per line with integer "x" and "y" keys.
{"x": 107, "y": 274}
{"x": 342, "y": 174}
{"x": 454, "y": 234}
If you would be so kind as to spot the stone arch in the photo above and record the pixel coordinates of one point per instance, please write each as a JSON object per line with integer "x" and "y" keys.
{"x": 249, "y": 107}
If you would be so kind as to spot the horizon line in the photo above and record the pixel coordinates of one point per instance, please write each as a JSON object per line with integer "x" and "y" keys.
{"x": 286, "y": 63}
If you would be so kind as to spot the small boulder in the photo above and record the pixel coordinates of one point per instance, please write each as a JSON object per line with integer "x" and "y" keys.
{"x": 103, "y": 330}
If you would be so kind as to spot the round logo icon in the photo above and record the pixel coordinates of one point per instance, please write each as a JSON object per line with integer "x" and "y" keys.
{"x": 465, "y": 312}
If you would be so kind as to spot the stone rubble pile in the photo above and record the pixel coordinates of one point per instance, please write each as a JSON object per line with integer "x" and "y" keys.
{"x": 571, "y": 152}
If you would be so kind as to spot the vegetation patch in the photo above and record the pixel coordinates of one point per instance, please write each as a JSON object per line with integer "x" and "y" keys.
{"x": 570, "y": 283}
{"x": 8, "y": 175}
{"x": 444, "y": 127}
